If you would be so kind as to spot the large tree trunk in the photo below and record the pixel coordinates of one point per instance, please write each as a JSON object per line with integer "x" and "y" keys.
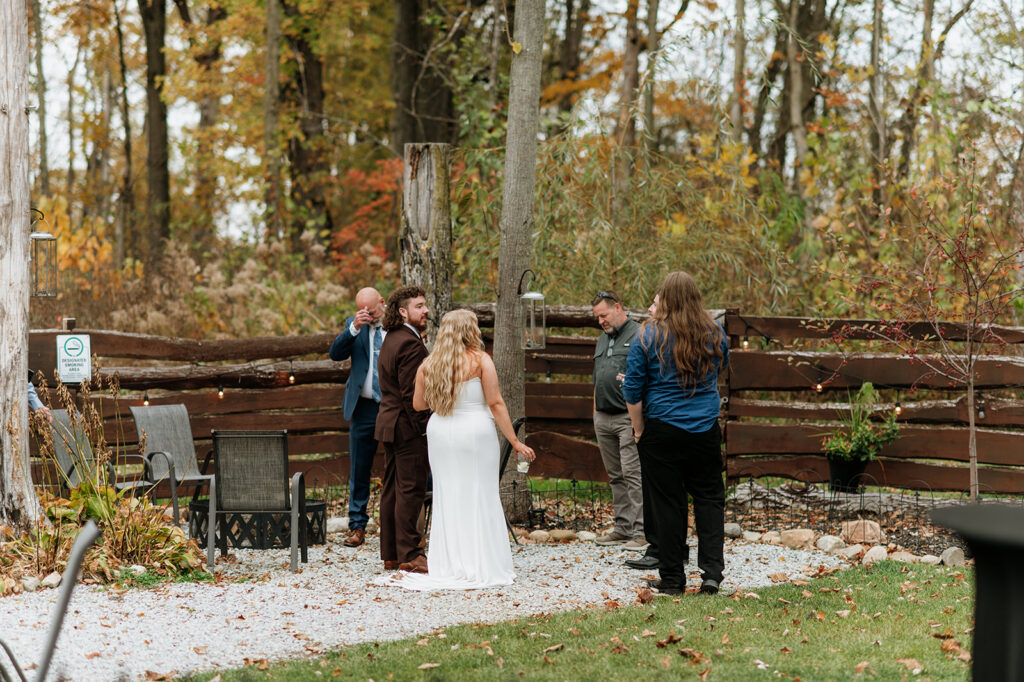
{"x": 158, "y": 179}
{"x": 18, "y": 505}
{"x": 796, "y": 85}
{"x": 271, "y": 108}
{"x": 424, "y": 108}
{"x": 517, "y": 208}
{"x": 426, "y": 232}
{"x": 44, "y": 163}
{"x": 309, "y": 165}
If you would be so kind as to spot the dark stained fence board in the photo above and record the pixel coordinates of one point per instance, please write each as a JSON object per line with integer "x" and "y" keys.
{"x": 950, "y": 443}
{"x": 785, "y": 370}
{"x": 793, "y": 328}
{"x": 894, "y": 473}
{"x": 559, "y": 456}
{"x": 998, "y": 412}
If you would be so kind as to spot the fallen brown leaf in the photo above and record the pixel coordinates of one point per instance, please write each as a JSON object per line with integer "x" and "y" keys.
{"x": 704, "y": 675}
{"x": 554, "y": 647}
{"x": 422, "y": 642}
{"x": 779, "y": 577}
{"x": 428, "y": 666}
{"x": 645, "y": 596}
{"x": 913, "y": 665}
{"x": 648, "y": 633}
{"x": 861, "y": 667}
{"x": 671, "y": 639}
{"x": 693, "y": 655}
{"x": 94, "y": 654}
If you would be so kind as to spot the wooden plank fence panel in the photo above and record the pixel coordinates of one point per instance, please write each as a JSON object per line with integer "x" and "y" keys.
{"x": 798, "y": 370}
{"x": 559, "y": 456}
{"x": 998, "y": 411}
{"x": 895, "y": 473}
{"x": 950, "y": 443}
{"x": 793, "y": 328}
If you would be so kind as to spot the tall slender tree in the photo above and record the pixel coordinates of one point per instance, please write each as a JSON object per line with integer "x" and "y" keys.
{"x": 271, "y": 113}
{"x": 44, "y": 162}
{"x": 18, "y": 504}
{"x": 158, "y": 177}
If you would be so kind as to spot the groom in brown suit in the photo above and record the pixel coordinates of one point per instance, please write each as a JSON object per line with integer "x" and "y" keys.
{"x": 402, "y": 431}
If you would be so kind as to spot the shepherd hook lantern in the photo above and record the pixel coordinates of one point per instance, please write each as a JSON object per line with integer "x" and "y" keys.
{"x": 44, "y": 261}
{"x": 534, "y": 316}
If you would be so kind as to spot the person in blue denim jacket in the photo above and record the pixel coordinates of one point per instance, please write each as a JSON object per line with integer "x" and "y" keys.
{"x": 671, "y": 391}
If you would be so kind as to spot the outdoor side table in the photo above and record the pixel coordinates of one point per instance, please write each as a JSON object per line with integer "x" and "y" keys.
{"x": 995, "y": 534}
{"x": 258, "y": 529}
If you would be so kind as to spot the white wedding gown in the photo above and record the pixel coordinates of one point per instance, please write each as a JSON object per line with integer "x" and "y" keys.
{"x": 469, "y": 546}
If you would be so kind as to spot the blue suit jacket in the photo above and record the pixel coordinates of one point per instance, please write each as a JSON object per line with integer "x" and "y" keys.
{"x": 358, "y": 348}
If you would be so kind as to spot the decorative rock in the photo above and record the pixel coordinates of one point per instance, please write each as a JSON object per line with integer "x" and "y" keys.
{"x": 560, "y": 534}
{"x": 876, "y": 553}
{"x": 850, "y": 552}
{"x": 953, "y": 556}
{"x": 798, "y": 538}
{"x": 733, "y": 530}
{"x": 772, "y": 537}
{"x": 30, "y": 583}
{"x": 337, "y": 524}
{"x": 750, "y": 536}
{"x": 586, "y": 536}
{"x": 540, "y": 536}
{"x": 51, "y": 580}
{"x": 862, "y": 530}
{"x": 829, "y": 543}
{"x": 931, "y": 560}
{"x": 905, "y": 557}
{"x": 371, "y": 526}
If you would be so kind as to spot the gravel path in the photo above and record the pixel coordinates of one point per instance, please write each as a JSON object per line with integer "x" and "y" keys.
{"x": 261, "y": 610}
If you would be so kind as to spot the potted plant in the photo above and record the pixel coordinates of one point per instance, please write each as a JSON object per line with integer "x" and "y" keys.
{"x": 858, "y": 441}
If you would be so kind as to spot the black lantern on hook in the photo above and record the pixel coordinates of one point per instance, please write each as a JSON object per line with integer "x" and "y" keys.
{"x": 43, "y": 257}
{"x": 534, "y": 316}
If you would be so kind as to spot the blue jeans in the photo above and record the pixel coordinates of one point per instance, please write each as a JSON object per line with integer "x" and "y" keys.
{"x": 361, "y": 448}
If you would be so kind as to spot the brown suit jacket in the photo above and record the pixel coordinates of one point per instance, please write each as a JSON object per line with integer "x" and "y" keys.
{"x": 400, "y": 356}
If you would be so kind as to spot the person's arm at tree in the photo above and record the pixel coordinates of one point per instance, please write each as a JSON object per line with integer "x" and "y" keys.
{"x": 492, "y": 394}
{"x": 36, "y": 405}
{"x": 341, "y": 349}
{"x": 419, "y": 396}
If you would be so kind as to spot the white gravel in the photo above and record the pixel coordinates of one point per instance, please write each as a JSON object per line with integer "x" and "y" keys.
{"x": 261, "y": 610}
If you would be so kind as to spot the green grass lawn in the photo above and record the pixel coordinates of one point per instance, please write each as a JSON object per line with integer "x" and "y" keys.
{"x": 881, "y": 622}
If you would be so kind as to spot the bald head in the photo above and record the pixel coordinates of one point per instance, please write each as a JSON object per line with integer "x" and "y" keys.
{"x": 368, "y": 297}
{"x": 369, "y": 306}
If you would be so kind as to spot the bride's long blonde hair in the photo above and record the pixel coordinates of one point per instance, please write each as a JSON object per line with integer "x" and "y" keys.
{"x": 459, "y": 332}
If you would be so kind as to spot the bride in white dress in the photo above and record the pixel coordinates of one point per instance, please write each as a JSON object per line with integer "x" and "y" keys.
{"x": 469, "y": 546}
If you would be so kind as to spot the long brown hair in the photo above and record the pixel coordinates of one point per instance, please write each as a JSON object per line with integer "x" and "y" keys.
{"x": 458, "y": 334}
{"x": 681, "y": 318}
{"x": 399, "y": 298}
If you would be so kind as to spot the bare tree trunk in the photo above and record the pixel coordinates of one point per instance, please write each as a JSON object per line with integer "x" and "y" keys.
{"x": 497, "y": 40}
{"x": 650, "y": 134}
{"x": 569, "y": 58}
{"x": 739, "y": 67}
{"x": 796, "y": 85}
{"x": 426, "y": 232}
{"x": 625, "y": 126}
{"x": 875, "y": 110}
{"x": 126, "y": 195}
{"x": 271, "y": 105}
{"x": 972, "y": 443}
{"x": 517, "y": 220}
{"x": 71, "y": 124}
{"x": 158, "y": 179}
{"x": 44, "y": 162}
{"x": 18, "y": 504}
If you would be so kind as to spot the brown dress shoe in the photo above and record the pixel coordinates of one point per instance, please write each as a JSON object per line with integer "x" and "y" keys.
{"x": 417, "y": 565}
{"x": 391, "y": 565}
{"x": 355, "y": 537}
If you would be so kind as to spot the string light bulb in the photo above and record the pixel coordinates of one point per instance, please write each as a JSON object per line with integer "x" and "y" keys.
{"x": 818, "y": 387}
{"x": 981, "y": 410}
{"x": 898, "y": 409}
{"x": 220, "y": 391}
{"x": 145, "y": 399}
{"x": 746, "y": 342}
{"x": 291, "y": 372}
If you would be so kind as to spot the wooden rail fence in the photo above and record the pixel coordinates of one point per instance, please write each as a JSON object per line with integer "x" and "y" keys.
{"x": 774, "y": 420}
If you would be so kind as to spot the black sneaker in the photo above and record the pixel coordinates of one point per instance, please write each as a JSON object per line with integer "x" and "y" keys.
{"x": 643, "y": 563}
{"x": 709, "y": 586}
{"x": 660, "y": 588}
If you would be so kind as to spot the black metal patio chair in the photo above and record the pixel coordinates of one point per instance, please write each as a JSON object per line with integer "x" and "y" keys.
{"x": 253, "y": 506}
{"x": 170, "y": 451}
{"x": 86, "y": 536}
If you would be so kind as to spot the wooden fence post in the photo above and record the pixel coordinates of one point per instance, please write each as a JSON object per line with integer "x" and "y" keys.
{"x": 426, "y": 234}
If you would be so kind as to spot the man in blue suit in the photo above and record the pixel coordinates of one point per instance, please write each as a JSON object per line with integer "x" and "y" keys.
{"x": 361, "y": 340}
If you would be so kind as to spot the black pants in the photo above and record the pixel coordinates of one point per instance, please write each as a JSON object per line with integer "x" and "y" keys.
{"x": 676, "y": 463}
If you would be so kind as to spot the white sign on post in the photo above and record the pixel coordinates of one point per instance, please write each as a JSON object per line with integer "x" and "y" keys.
{"x": 74, "y": 358}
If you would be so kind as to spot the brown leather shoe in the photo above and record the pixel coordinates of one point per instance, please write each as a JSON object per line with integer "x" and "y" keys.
{"x": 417, "y": 565}
{"x": 391, "y": 565}
{"x": 355, "y": 537}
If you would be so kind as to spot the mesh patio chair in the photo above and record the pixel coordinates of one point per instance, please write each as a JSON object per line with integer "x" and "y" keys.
{"x": 251, "y": 484}
{"x": 170, "y": 451}
{"x": 69, "y": 578}
{"x": 74, "y": 454}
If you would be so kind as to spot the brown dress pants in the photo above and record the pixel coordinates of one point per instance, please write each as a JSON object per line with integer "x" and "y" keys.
{"x": 405, "y": 485}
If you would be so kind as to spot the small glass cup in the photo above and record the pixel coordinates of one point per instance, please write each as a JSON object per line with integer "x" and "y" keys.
{"x": 523, "y": 465}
